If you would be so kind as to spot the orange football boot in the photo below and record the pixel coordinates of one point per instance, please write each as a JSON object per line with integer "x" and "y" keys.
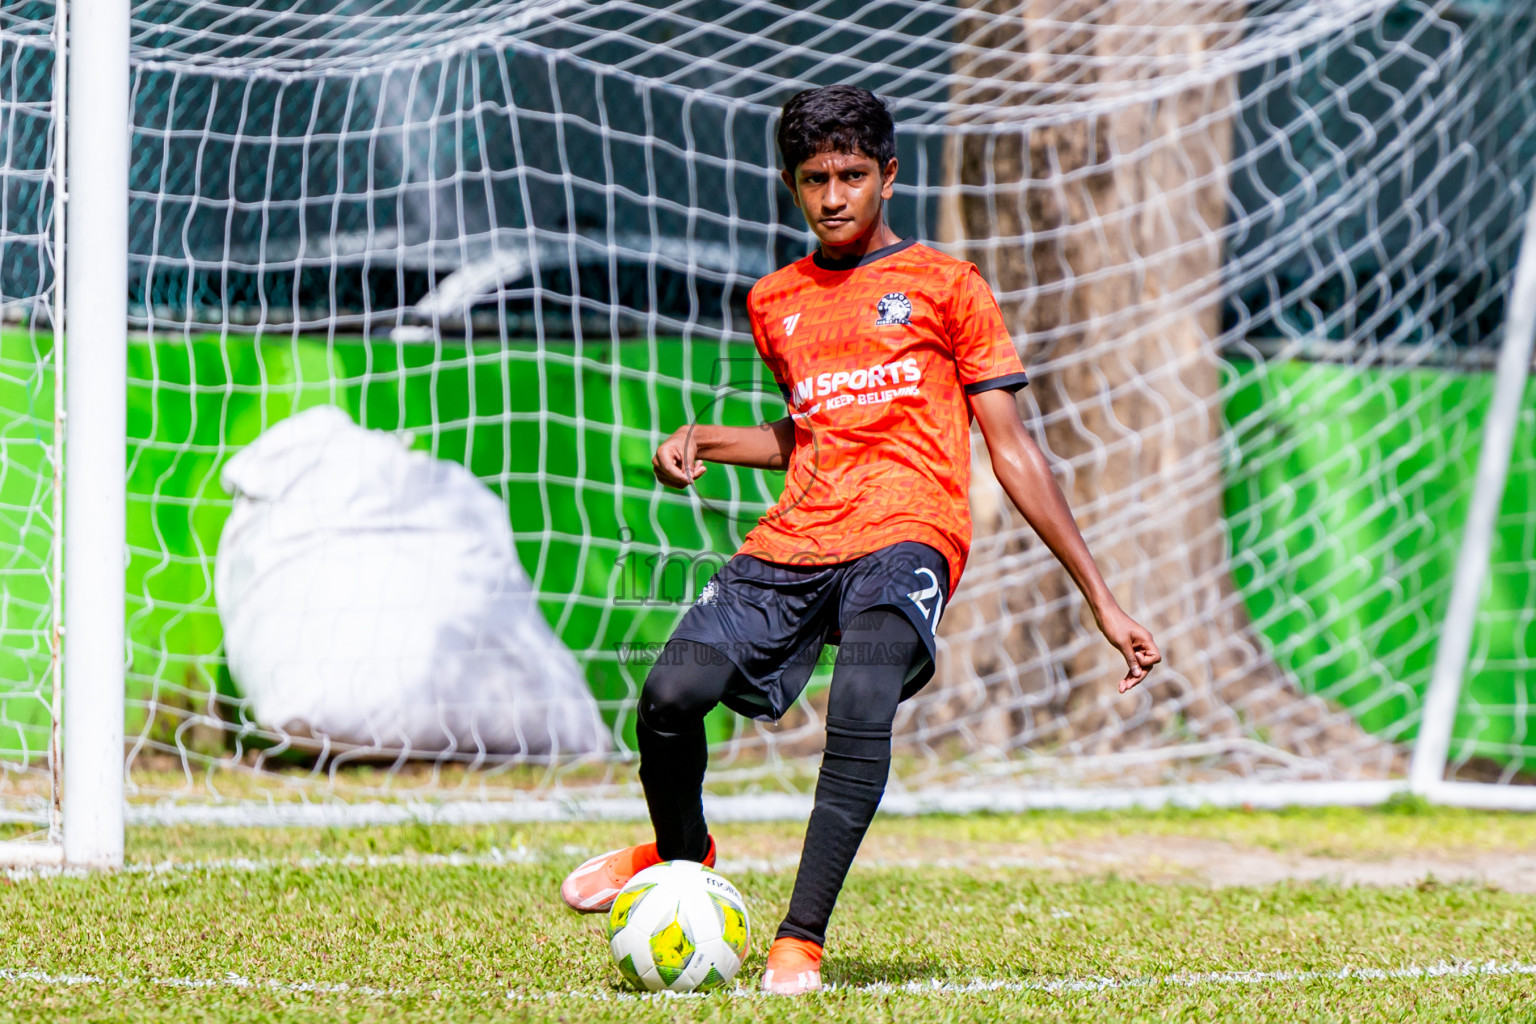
{"x": 591, "y": 888}
{"x": 794, "y": 967}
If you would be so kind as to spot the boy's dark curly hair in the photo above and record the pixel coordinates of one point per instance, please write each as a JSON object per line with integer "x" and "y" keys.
{"x": 836, "y": 119}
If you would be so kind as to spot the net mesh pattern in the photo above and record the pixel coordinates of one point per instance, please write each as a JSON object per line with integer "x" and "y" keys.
{"x": 27, "y": 488}
{"x": 1255, "y": 256}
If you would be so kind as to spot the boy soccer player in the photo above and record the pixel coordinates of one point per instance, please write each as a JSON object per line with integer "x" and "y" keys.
{"x": 885, "y": 350}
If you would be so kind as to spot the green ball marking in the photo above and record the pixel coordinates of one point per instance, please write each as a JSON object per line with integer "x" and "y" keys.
{"x": 631, "y": 976}
{"x": 733, "y": 926}
{"x": 671, "y": 950}
{"x": 618, "y": 914}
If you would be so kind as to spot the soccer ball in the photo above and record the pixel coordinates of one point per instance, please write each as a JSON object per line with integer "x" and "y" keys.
{"x": 678, "y": 927}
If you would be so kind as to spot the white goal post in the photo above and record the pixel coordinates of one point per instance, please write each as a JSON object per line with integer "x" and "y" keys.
{"x": 1271, "y": 265}
{"x": 95, "y": 395}
{"x": 1440, "y": 703}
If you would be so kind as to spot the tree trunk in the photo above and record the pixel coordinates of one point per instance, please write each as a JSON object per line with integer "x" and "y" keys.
{"x": 1095, "y": 208}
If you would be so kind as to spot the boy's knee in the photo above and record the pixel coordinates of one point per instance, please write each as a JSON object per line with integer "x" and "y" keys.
{"x": 665, "y": 707}
{"x": 680, "y": 690}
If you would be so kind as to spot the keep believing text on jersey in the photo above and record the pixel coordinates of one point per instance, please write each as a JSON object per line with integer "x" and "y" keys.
{"x": 863, "y": 380}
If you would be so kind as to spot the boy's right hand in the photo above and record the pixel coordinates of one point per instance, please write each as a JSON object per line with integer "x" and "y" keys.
{"x": 677, "y": 462}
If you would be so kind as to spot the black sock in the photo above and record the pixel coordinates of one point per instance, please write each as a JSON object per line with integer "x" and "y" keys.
{"x": 684, "y": 684}
{"x": 672, "y": 773}
{"x": 866, "y": 687}
{"x": 852, "y": 780}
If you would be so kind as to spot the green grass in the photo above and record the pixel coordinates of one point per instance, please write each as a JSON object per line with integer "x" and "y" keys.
{"x": 413, "y": 937}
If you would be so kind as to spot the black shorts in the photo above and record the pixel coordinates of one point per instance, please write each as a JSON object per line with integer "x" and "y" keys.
{"x": 770, "y": 619}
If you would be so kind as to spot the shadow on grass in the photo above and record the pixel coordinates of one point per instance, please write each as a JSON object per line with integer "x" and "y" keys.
{"x": 856, "y": 971}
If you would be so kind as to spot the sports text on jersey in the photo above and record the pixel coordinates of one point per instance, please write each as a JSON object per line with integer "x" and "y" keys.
{"x": 880, "y": 375}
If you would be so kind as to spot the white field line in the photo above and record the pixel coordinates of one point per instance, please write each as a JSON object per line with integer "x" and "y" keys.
{"x": 226, "y": 981}
{"x": 1489, "y": 969}
{"x": 515, "y": 856}
{"x": 1192, "y": 980}
{"x": 491, "y": 858}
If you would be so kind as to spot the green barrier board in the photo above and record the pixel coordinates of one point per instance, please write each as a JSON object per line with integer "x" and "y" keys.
{"x": 565, "y": 433}
{"x": 1346, "y": 525}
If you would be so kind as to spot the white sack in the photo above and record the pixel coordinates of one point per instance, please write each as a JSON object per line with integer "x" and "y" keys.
{"x": 371, "y": 595}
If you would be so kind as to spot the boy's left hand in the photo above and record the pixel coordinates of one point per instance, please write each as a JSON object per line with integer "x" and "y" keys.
{"x": 1134, "y": 642}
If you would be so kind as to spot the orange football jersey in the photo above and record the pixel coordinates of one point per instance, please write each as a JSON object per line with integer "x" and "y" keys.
{"x": 876, "y": 357}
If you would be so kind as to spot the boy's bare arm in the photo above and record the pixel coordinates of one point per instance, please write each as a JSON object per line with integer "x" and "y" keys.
{"x": 680, "y": 459}
{"x": 1026, "y": 477}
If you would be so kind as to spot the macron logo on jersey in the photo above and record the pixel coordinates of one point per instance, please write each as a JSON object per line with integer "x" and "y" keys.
{"x": 789, "y": 324}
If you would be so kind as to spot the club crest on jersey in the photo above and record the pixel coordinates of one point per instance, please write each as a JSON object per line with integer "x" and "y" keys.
{"x": 789, "y": 324}
{"x": 894, "y": 308}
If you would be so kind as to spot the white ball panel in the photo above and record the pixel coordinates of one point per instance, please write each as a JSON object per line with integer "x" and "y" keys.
{"x": 704, "y": 919}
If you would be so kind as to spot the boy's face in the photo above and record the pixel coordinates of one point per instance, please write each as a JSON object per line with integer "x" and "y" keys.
{"x": 841, "y": 194}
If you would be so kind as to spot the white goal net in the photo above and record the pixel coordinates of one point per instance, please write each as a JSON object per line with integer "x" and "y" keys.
{"x": 1258, "y": 257}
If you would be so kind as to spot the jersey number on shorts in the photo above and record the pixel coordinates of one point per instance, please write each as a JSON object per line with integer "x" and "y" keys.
{"x": 931, "y": 591}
